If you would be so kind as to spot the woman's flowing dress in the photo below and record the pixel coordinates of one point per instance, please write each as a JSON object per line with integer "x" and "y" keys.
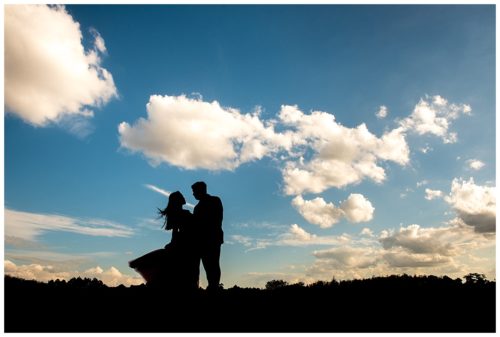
{"x": 153, "y": 266}
{"x": 176, "y": 265}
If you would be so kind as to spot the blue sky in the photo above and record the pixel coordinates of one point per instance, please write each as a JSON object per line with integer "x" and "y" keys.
{"x": 344, "y": 141}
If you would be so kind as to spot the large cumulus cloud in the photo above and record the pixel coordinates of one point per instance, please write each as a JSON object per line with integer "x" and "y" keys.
{"x": 49, "y": 76}
{"x": 340, "y": 155}
{"x": 452, "y": 250}
{"x": 475, "y": 205}
{"x": 190, "y": 133}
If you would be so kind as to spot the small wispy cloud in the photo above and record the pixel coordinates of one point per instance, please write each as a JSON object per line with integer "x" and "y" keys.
{"x": 475, "y": 164}
{"x": 425, "y": 149}
{"x": 294, "y": 235}
{"x": 432, "y": 194}
{"x": 405, "y": 193}
{"x": 158, "y": 190}
{"x": 422, "y": 183}
{"x": 382, "y": 112}
{"x": 29, "y": 226}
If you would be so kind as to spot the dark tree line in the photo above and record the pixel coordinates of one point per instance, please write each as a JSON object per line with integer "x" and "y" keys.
{"x": 472, "y": 279}
{"x": 416, "y": 280}
{"x": 78, "y": 282}
{"x": 396, "y": 303}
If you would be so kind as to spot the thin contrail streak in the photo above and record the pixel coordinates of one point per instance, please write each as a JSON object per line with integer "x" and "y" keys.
{"x": 165, "y": 193}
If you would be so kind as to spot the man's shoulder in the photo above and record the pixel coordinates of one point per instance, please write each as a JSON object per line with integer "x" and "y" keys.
{"x": 214, "y": 199}
{"x": 209, "y": 201}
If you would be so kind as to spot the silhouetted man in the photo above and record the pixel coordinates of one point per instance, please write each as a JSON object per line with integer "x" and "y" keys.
{"x": 208, "y": 219}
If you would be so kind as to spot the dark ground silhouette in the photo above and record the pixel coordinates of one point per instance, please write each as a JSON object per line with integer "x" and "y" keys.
{"x": 381, "y": 304}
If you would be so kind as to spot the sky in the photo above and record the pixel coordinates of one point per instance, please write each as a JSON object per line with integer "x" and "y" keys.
{"x": 345, "y": 141}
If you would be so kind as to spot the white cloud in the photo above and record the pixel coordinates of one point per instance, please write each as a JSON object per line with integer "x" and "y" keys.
{"x": 44, "y": 273}
{"x": 318, "y": 176}
{"x": 341, "y": 155}
{"x": 29, "y": 226}
{"x": 418, "y": 240}
{"x": 425, "y": 149}
{"x": 243, "y": 240}
{"x": 403, "y": 259}
{"x": 422, "y": 183}
{"x": 433, "y": 115}
{"x": 415, "y": 246}
{"x": 452, "y": 250}
{"x": 475, "y": 205}
{"x": 318, "y": 212}
{"x": 112, "y": 276}
{"x": 33, "y": 271}
{"x": 297, "y": 236}
{"x": 48, "y": 265}
{"x": 348, "y": 257}
{"x": 382, "y": 112}
{"x": 17, "y": 242}
{"x": 294, "y": 235}
{"x": 367, "y": 232}
{"x": 98, "y": 41}
{"x": 49, "y": 77}
{"x": 432, "y": 194}
{"x": 191, "y": 133}
{"x": 475, "y": 164}
{"x": 251, "y": 243}
{"x": 392, "y": 146}
{"x": 43, "y": 256}
{"x": 357, "y": 208}
{"x": 300, "y": 234}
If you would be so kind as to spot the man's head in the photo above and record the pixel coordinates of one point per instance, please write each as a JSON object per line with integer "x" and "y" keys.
{"x": 199, "y": 190}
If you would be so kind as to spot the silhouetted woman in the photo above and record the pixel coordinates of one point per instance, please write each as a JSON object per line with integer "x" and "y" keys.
{"x": 176, "y": 264}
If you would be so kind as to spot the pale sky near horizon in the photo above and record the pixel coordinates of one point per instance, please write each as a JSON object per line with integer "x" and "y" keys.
{"x": 345, "y": 141}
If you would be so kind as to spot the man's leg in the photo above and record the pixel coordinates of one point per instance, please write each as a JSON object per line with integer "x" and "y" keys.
{"x": 195, "y": 269}
{"x": 195, "y": 260}
{"x": 210, "y": 259}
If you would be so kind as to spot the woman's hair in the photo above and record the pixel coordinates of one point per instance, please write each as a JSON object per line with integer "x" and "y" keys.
{"x": 175, "y": 202}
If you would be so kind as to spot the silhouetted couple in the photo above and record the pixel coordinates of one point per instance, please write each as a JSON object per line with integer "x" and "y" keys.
{"x": 196, "y": 237}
